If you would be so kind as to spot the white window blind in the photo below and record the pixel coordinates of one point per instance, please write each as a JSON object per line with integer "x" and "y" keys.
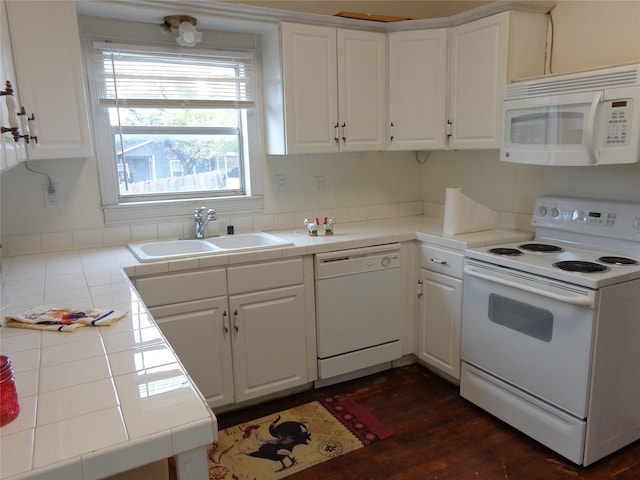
{"x": 158, "y": 77}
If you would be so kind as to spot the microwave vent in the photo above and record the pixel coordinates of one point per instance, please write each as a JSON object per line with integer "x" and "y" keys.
{"x": 584, "y": 82}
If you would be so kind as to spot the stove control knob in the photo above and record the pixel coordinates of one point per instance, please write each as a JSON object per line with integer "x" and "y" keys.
{"x": 555, "y": 213}
{"x": 542, "y": 211}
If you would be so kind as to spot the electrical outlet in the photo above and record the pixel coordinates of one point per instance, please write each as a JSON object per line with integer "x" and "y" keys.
{"x": 51, "y": 195}
{"x": 319, "y": 183}
{"x": 280, "y": 181}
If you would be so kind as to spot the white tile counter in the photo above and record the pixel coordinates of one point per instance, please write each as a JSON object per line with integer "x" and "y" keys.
{"x": 103, "y": 400}
{"x": 99, "y": 400}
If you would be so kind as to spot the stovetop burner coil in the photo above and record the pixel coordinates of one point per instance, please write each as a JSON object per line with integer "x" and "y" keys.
{"x": 511, "y": 252}
{"x": 618, "y": 261}
{"x": 541, "y": 247}
{"x": 580, "y": 266}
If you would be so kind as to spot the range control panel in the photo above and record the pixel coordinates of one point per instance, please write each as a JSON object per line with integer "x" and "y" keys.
{"x": 610, "y": 218}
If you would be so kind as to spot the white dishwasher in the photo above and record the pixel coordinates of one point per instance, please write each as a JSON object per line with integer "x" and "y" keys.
{"x": 358, "y": 309}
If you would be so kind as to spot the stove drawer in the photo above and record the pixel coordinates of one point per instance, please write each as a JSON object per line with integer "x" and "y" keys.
{"x": 552, "y": 427}
{"x": 442, "y": 260}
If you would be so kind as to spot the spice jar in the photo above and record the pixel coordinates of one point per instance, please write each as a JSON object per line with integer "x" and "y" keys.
{"x": 9, "y": 407}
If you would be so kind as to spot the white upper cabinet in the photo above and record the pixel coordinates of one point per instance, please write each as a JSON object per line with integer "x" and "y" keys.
{"x": 362, "y": 73}
{"x": 48, "y": 61}
{"x": 334, "y": 87}
{"x": 478, "y": 74}
{"x": 417, "y": 89}
{"x": 310, "y": 76}
{"x": 11, "y": 151}
{"x": 484, "y": 55}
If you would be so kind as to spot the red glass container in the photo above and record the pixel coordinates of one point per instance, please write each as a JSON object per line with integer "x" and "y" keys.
{"x": 9, "y": 407}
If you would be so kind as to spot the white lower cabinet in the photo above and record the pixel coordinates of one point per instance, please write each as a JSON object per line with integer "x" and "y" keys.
{"x": 440, "y": 310}
{"x": 247, "y": 334}
{"x": 199, "y": 333}
{"x": 268, "y": 337}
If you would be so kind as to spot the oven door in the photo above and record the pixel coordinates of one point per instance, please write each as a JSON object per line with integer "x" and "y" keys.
{"x": 531, "y": 332}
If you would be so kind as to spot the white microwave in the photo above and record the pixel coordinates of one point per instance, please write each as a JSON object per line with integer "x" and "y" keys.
{"x": 589, "y": 118}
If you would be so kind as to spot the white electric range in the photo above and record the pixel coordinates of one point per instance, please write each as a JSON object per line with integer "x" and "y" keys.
{"x": 551, "y": 327}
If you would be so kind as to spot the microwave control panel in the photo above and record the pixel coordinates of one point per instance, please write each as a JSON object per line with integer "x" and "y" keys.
{"x": 618, "y": 117}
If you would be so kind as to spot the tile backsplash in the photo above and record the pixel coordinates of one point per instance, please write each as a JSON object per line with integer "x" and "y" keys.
{"x": 13, "y": 245}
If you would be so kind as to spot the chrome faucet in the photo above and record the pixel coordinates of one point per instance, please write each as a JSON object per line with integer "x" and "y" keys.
{"x": 203, "y": 220}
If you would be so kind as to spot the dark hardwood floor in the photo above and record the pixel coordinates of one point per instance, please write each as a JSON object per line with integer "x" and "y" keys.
{"x": 438, "y": 435}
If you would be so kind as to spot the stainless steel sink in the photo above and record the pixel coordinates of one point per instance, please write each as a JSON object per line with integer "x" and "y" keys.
{"x": 157, "y": 250}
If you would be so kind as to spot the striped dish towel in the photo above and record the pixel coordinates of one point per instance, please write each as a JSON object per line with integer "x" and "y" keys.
{"x": 62, "y": 319}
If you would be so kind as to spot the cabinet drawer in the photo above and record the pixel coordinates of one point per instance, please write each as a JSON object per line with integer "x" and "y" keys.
{"x": 265, "y": 276}
{"x": 182, "y": 287}
{"x": 184, "y": 308}
{"x": 442, "y": 260}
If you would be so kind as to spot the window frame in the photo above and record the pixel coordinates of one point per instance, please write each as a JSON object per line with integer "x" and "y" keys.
{"x": 150, "y": 211}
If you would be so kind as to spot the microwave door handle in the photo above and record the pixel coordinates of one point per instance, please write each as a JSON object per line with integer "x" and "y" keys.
{"x": 591, "y": 124}
{"x": 580, "y": 301}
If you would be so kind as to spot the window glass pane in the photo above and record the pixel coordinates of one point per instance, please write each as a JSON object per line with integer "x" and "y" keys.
{"x": 174, "y": 163}
{"x": 174, "y": 117}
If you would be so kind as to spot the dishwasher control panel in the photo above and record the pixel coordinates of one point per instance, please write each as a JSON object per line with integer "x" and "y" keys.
{"x": 357, "y": 260}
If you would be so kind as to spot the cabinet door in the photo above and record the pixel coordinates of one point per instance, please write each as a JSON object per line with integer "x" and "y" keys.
{"x": 269, "y": 341}
{"x": 440, "y": 319}
{"x": 11, "y": 152}
{"x": 417, "y": 89}
{"x": 310, "y": 88}
{"x": 478, "y": 75}
{"x": 48, "y": 60}
{"x": 362, "y": 90}
{"x": 199, "y": 333}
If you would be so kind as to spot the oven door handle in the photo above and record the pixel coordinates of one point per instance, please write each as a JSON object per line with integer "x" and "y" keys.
{"x": 581, "y": 301}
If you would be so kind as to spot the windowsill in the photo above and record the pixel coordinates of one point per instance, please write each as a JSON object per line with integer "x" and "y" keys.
{"x": 151, "y": 212}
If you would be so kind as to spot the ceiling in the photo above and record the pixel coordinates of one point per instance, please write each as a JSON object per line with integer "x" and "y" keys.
{"x": 415, "y": 9}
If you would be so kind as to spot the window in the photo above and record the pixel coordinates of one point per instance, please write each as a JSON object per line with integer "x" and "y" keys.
{"x": 174, "y": 127}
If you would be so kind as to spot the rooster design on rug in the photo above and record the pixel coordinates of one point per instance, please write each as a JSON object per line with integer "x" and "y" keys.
{"x": 279, "y": 449}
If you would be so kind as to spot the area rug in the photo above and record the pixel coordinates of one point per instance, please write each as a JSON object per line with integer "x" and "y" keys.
{"x": 292, "y": 440}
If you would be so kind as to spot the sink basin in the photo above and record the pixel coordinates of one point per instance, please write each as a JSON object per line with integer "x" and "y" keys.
{"x": 247, "y": 241}
{"x": 170, "y": 249}
{"x": 157, "y": 250}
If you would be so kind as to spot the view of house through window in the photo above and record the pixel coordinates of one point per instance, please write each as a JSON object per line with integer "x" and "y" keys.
{"x": 198, "y": 160}
{"x": 178, "y": 120}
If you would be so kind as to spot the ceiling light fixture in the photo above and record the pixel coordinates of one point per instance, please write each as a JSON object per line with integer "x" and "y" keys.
{"x": 186, "y": 26}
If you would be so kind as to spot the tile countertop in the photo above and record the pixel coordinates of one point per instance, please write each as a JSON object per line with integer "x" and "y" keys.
{"x": 102, "y": 400}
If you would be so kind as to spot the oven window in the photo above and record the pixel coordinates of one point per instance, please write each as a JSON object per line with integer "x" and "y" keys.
{"x": 521, "y": 317}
